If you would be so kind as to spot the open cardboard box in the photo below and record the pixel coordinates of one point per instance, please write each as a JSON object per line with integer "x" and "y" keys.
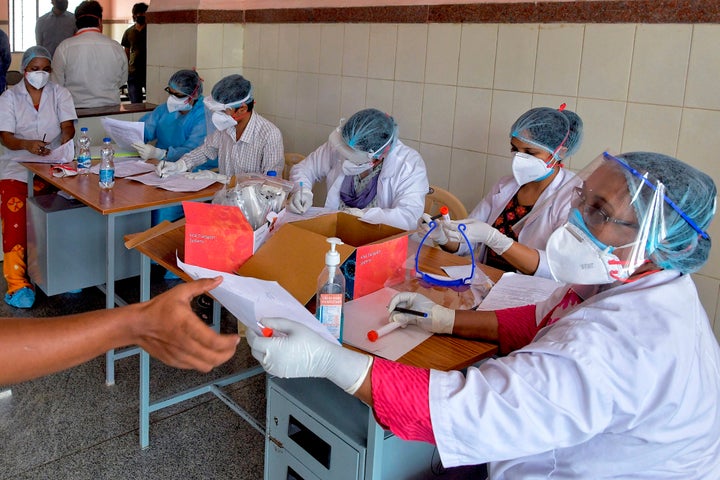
{"x": 372, "y": 256}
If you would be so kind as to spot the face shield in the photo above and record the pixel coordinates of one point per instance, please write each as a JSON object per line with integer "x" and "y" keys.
{"x": 216, "y": 117}
{"x": 356, "y": 156}
{"x": 624, "y": 223}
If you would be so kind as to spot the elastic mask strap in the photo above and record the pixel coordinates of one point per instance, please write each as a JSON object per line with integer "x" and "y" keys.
{"x": 436, "y": 281}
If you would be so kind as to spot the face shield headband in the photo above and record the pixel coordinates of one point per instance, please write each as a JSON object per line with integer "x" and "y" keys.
{"x": 440, "y": 281}
{"x": 214, "y": 106}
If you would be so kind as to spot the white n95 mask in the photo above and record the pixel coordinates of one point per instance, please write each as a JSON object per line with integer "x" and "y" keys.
{"x": 574, "y": 255}
{"x": 350, "y": 169}
{"x": 223, "y": 121}
{"x": 527, "y": 168}
{"x": 175, "y": 104}
{"x": 38, "y": 79}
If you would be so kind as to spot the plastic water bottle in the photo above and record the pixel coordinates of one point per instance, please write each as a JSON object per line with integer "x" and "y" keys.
{"x": 83, "y": 159}
{"x": 107, "y": 165}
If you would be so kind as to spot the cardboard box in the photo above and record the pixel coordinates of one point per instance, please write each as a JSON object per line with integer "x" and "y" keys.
{"x": 219, "y": 237}
{"x": 294, "y": 255}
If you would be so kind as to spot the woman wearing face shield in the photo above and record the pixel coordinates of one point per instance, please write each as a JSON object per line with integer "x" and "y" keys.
{"x": 621, "y": 379}
{"x": 539, "y": 141}
{"x": 36, "y": 113}
{"x": 369, "y": 173}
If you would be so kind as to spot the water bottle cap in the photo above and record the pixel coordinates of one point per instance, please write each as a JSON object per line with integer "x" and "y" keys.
{"x": 272, "y": 173}
{"x": 106, "y": 140}
{"x": 84, "y": 129}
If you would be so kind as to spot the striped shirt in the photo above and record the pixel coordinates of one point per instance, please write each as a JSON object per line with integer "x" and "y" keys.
{"x": 259, "y": 149}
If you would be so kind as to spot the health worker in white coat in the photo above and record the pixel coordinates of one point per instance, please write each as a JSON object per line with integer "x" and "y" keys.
{"x": 622, "y": 380}
{"x": 509, "y": 232}
{"x": 369, "y": 173}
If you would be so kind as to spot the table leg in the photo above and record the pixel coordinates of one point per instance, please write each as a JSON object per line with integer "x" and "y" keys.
{"x": 110, "y": 292}
{"x": 144, "y": 360}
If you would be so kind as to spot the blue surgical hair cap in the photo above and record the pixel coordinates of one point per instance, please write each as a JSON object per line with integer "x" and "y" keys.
{"x": 369, "y": 130}
{"x": 673, "y": 243}
{"x": 550, "y": 128}
{"x": 34, "y": 52}
{"x": 187, "y": 82}
{"x": 231, "y": 89}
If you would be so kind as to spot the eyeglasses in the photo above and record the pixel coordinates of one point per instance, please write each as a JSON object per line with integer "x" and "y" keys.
{"x": 175, "y": 94}
{"x": 595, "y": 216}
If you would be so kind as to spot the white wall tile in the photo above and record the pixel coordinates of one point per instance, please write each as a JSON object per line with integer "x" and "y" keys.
{"x": 603, "y": 123}
{"x": 557, "y": 68}
{"x": 467, "y": 176}
{"x": 266, "y": 93}
{"x": 407, "y": 108}
{"x": 553, "y": 101}
{"x": 516, "y": 56}
{"x": 269, "y": 41}
{"x": 184, "y": 48}
{"x": 307, "y": 97}
{"x": 308, "y": 53}
{"x": 233, "y": 40}
{"x": 704, "y": 69}
{"x": 355, "y": 49}
{"x": 699, "y": 140}
{"x": 331, "y": 48}
{"x": 288, "y": 45}
{"x": 438, "y": 114}
{"x": 496, "y": 167}
{"x": 328, "y": 109}
{"x": 380, "y": 94}
{"x": 209, "y": 36}
{"x": 660, "y": 63}
{"x": 309, "y": 136}
{"x": 352, "y": 96}
{"x": 443, "y": 53}
{"x": 472, "y": 119}
{"x": 478, "y": 44}
{"x": 381, "y": 51}
{"x": 506, "y": 108}
{"x": 251, "y": 45}
{"x": 606, "y": 60}
{"x": 437, "y": 161}
{"x": 411, "y": 53}
{"x": 288, "y": 129}
{"x": 651, "y": 128}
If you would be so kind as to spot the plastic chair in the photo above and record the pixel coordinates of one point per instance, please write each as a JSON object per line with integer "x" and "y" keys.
{"x": 437, "y": 197}
{"x": 13, "y": 77}
{"x": 290, "y": 160}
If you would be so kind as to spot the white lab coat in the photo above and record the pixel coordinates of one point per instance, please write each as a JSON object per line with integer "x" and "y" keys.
{"x": 537, "y": 227}
{"x": 624, "y": 385}
{"x": 401, "y": 190}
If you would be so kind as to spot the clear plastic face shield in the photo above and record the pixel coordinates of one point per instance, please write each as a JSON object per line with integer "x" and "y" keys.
{"x": 441, "y": 281}
{"x": 355, "y": 156}
{"x": 621, "y": 219}
{"x": 216, "y": 116}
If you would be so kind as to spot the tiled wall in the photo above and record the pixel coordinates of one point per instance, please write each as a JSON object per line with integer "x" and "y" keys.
{"x": 455, "y": 89}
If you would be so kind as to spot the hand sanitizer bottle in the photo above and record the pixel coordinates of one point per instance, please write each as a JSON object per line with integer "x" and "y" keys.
{"x": 331, "y": 292}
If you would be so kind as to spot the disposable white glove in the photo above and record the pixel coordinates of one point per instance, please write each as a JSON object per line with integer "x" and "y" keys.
{"x": 148, "y": 151}
{"x": 358, "y": 212}
{"x": 207, "y": 175}
{"x": 301, "y": 201}
{"x": 478, "y": 232}
{"x": 438, "y": 235}
{"x": 296, "y": 351}
{"x": 165, "y": 169}
{"x": 439, "y": 319}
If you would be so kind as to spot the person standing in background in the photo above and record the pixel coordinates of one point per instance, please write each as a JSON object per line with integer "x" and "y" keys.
{"x": 134, "y": 41}
{"x": 55, "y": 26}
{"x": 5, "y": 58}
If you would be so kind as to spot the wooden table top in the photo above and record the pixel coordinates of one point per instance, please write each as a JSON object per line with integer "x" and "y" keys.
{"x": 440, "y": 352}
{"x": 115, "y": 109}
{"x": 126, "y": 195}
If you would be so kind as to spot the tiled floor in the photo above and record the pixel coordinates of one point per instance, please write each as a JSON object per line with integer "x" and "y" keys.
{"x": 71, "y": 426}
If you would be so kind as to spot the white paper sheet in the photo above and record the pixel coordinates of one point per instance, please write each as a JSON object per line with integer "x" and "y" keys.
{"x": 124, "y": 133}
{"x": 370, "y": 313}
{"x": 62, "y": 154}
{"x": 174, "y": 183}
{"x": 516, "y": 290}
{"x": 251, "y": 300}
{"x": 127, "y": 168}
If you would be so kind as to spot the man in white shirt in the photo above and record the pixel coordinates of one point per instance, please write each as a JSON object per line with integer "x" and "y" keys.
{"x": 89, "y": 64}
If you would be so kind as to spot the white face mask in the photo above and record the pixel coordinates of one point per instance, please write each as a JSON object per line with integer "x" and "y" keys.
{"x": 527, "y": 168}
{"x": 350, "y": 168}
{"x": 38, "y": 79}
{"x": 223, "y": 121}
{"x": 175, "y": 104}
{"x": 576, "y": 256}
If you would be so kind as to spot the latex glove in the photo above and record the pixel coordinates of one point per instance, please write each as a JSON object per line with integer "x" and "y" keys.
{"x": 300, "y": 352}
{"x": 439, "y": 319}
{"x": 301, "y": 201}
{"x": 478, "y": 232}
{"x": 438, "y": 235}
{"x": 207, "y": 175}
{"x": 148, "y": 151}
{"x": 165, "y": 169}
{"x": 358, "y": 212}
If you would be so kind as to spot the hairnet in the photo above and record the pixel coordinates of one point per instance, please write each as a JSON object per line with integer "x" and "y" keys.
{"x": 233, "y": 90}
{"x": 187, "y": 82}
{"x": 34, "y": 52}
{"x": 369, "y": 130}
{"x": 673, "y": 243}
{"x": 550, "y": 128}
